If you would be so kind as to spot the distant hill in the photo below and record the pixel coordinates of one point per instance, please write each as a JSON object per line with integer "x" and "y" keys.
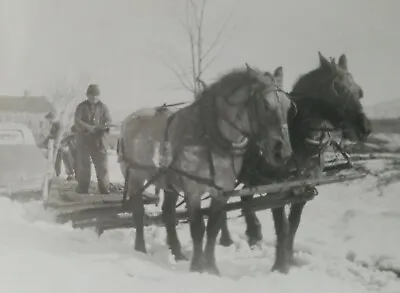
{"x": 384, "y": 110}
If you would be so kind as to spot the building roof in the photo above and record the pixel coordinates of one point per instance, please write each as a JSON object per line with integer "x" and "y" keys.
{"x": 30, "y": 104}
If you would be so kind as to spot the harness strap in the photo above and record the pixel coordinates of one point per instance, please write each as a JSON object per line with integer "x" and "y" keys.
{"x": 162, "y": 170}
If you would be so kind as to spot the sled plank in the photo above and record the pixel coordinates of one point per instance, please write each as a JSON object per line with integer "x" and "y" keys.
{"x": 63, "y": 196}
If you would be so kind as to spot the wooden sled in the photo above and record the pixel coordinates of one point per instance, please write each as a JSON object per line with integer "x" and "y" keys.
{"x": 106, "y": 212}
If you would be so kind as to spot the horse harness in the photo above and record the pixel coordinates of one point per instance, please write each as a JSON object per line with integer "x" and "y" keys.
{"x": 162, "y": 170}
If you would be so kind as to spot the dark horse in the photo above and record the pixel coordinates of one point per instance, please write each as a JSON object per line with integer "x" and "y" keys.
{"x": 325, "y": 94}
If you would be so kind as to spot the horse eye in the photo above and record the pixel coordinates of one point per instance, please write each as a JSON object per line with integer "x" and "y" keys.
{"x": 341, "y": 88}
{"x": 337, "y": 85}
{"x": 292, "y": 110}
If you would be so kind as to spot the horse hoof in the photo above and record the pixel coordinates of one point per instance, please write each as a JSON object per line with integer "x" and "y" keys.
{"x": 281, "y": 268}
{"x": 141, "y": 248}
{"x": 226, "y": 242}
{"x": 253, "y": 242}
{"x": 197, "y": 267}
{"x": 254, "y": 238}
{"x": 295, "y": 262}
{"x": 212, "y": 270}
{"x": 180, "y": 257}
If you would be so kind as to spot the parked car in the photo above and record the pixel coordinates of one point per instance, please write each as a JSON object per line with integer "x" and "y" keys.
{"x": 22, "y": 163}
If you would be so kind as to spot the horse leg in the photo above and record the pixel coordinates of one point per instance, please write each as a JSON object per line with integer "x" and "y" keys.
{"x": 253, "y": 230}
{"x": 215, "y": 219}
{"x": 197, "y": 229}
{"x": 169, "y": 218}
{"x": 282, "y": 230}
{"x": 226, "y": 239}
{"x": 296, "y": 211}
{"x": 136, "y": 201}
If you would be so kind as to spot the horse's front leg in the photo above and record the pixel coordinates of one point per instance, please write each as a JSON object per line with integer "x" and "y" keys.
{"x": 282, "y": 230}
{"x": 215, "y": 219}
{"x": 169, "y": 219}
{"x": 226, "y": 239}
{"x": 296, "y": 211}
{"x": 253, "y": 231}
{"x": 197, "y": 229}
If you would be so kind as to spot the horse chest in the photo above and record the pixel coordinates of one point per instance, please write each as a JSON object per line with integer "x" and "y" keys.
{"x": 196, "y": 159}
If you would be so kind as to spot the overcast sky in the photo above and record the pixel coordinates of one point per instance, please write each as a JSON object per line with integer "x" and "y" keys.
{"x": 118, "y": 44}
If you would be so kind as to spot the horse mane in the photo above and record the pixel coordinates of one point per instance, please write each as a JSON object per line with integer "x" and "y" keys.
{"x": 306, "y": 94}
{"x": 306, "y": 79}
{"x": 225, "y": 84}
{"x": 222, "y": 87}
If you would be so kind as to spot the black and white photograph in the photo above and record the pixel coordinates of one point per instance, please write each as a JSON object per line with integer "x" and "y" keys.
{"x": 199, "y": 146}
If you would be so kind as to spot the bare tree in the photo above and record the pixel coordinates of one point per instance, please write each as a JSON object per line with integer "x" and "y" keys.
{"x": 203, "y": 52}
{"x": 65, "y": 96}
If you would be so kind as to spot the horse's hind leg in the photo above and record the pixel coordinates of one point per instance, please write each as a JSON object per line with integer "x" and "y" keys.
{"x": 226, "y": 239}
{"x": 215, "y": 219}
{"x": 137, "y": 204}
{"x": 282, "y": 230}
{"x": 253, "y": 230}
{"x": 169, "y": 218}
{"x": 296, "y": 211}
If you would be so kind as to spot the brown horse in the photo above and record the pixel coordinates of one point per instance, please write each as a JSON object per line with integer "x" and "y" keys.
{"x": 325, "y": 94}
{"x": 199, "y": 150}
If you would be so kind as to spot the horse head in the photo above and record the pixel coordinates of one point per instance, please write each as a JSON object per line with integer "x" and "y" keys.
{"x": 344, "y": 94}
{"x": 251, "y": 105}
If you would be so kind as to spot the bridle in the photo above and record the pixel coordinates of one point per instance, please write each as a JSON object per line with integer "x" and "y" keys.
{"x": 255, "y": 102}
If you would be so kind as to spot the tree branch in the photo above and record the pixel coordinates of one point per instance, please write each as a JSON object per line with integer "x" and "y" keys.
{"x": 200, "y": 45}
{"x": 200, "y": 57}
{"x": 217, "y": 38}
{"x": 185, "y": 83}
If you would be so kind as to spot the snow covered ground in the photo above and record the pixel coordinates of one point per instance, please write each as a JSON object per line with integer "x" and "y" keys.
{"x": 346, "y": 231}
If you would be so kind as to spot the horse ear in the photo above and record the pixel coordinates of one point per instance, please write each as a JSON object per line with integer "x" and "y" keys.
{"x": 251, "y": 70}
{"x": 323, "y": 61}
{"x": 343, "y": 62}
{"x": 278, "y": 75}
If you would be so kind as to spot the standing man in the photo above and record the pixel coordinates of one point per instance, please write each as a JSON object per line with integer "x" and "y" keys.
{"x": 92, "y": 119}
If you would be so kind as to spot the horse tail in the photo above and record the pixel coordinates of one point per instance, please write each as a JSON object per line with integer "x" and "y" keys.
{"x": 120, "y": 150}
{"x": 124, "y": 167}
{"x": 121, "y": 159}
{"x": 126, "y": 182}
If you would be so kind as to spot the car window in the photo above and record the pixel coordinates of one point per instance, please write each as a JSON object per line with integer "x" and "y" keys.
{"x": 11, "y": 136}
